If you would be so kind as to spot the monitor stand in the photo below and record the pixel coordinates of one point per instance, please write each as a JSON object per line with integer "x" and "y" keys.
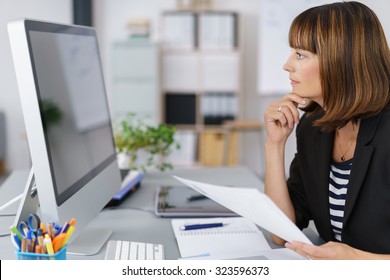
{"x": 87, "y": 243}
{"x": 29, "y": 202}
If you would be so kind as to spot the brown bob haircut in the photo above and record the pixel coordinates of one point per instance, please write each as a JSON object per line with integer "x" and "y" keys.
{"x": 354, "y": 61}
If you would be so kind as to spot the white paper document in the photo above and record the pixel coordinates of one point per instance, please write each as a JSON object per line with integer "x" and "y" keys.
{"x": 237, "y": 236}
{"x": 253, "y": 205}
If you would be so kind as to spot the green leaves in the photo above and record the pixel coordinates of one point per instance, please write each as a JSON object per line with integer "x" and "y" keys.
{"x": 133, "y": 134}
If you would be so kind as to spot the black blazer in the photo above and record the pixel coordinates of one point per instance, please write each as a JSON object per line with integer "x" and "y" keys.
{"x": 366, "y": 223}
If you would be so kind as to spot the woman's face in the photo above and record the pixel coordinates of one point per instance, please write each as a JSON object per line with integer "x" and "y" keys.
{"x": 304, "y": 74}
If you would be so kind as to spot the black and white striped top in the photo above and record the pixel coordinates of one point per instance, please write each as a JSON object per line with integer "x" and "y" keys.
{"x": 338, "y": 185}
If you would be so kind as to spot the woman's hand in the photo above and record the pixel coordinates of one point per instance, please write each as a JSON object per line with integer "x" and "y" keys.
{"x": 281, "y": 116}
{"x": 330, "y": 251}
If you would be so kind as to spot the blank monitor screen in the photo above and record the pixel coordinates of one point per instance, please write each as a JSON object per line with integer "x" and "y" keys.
{"x": 69, "y": 78}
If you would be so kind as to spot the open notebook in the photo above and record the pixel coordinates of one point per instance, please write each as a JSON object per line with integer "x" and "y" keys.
{"x": 239, "y": 235}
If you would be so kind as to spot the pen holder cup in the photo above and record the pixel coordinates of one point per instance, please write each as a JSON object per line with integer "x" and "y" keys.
{"x": 60, "y": 255}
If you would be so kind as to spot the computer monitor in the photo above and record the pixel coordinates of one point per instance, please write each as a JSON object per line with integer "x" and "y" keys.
{"x": 67, "y": 119}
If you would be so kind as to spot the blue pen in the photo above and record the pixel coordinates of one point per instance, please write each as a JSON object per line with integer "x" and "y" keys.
{"x": 17, "y": 241}
{"x": 65, "y": 228}
{"x": 202, "y": 226}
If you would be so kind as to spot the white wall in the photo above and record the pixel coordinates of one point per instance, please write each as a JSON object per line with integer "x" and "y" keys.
{"x": 59, "y": 11}
{"x": 110, "y": 17}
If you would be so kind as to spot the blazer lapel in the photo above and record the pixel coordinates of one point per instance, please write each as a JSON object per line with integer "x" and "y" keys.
{"x": 323, "y": 168}
{"x": 361, "y": 161}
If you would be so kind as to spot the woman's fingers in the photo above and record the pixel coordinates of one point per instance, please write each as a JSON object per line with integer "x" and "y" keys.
{"x": 281, "y": 116}
{"x": 288, "y": 114}
{"x": 329, "y": 250}
{"x": 285, "y": 111}
{"x": 303, "y": 249}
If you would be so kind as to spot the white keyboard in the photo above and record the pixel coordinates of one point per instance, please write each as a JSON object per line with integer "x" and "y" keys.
{"x": 127, "y": 250}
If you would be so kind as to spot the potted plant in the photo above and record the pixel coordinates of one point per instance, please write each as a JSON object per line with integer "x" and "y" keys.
{"x": 133, "y": 136}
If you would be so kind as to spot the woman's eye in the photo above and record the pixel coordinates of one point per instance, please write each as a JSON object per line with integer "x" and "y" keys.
{"x": 300, "y": 56}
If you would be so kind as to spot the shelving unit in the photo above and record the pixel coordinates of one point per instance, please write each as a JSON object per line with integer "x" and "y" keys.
{"x": 135, "y": 79}
{"x": 201, "y": 78}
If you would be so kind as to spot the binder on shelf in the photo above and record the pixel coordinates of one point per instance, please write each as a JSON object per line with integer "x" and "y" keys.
{"x": 180, "y": 30}
{"x": 180, "y": 108}
{"x": 218, "y": 107}
{"x": 218, "y": 31}
{"x": 212, "y": 147}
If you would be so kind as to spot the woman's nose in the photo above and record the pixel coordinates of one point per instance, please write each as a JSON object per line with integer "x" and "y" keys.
{"x": 288, "y": 65}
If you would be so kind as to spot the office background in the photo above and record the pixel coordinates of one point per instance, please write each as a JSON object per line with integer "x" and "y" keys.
{"x": 110, "y": 18}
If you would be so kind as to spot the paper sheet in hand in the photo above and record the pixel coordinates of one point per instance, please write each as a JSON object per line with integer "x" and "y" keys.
{"x": 253, "y": 205}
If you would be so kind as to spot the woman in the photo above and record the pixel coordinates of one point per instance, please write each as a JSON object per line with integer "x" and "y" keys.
{"x": 340, "y": 176}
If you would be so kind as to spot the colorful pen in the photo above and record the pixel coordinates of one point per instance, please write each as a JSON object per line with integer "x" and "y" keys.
{"x": 33, "y": 241}
{"x": 57, "y": 229}
{"x": 50, "y": 231}
{"x": 17, "y": 241}
{"x": 16, "y": 232}
{"x": 202, "y": 226}
{"x": 24, "y": 245}
{"x": 70, "y": 231}
{"x": 42, "y": 227}
{"x": 30, "y": 241}
{"x": 58, "y": 241}
{"x": 48, "y": 244}
{"x": 65, "y": 228}
{"x": 25, "y": 230}
{"x": 41, "y": 241}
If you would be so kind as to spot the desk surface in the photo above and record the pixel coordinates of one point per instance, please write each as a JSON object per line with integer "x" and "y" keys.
{"x": 134, "y": 219}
